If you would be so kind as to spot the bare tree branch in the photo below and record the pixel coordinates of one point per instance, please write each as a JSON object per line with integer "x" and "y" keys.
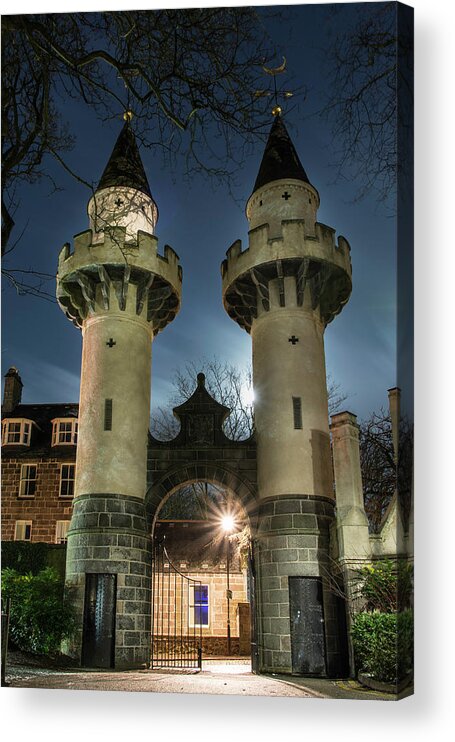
{"x": 368, "y": 62}
{"x": 382, "y": 474}
{"x": 187, "y": 73}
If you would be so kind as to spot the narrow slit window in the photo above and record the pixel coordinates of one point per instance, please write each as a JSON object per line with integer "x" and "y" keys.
{"x": 297, "y": 409}
{"x": 108, "y": 414}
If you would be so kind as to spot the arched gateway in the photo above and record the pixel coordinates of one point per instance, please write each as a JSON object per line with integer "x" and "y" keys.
{"x": 200, "y": 452}
{"x": 283, "y": 289}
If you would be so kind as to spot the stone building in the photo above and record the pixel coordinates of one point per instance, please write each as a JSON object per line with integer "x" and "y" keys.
{"x": 200, "y": 557}
{"x": 38, "y": 468}
{"x": 306, "y": 535}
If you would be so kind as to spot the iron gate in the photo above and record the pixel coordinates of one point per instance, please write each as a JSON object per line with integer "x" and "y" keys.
{"x": 176, "y": 631}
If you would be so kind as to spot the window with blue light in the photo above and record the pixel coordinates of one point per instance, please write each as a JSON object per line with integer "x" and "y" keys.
{"x": 199, "y": 610}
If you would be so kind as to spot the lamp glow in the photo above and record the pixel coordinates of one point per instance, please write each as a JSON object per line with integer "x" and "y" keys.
{"x": 227, "y": 522}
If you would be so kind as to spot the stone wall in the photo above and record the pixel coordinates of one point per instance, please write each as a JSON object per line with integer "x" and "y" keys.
{"x": 45, "y": 507}
{"x": 108, "y": 535}
{"x": 212, "y": 646}
{"x": 292, "y": 540}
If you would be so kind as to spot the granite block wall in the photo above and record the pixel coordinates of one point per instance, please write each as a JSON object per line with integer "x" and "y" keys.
{"x": 292, "y": 540}
{"x": 108, "y": 535}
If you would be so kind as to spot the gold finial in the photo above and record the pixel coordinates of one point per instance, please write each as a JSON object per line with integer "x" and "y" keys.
{"x": 276, "y": 111}
{"x": 128, "y": 115}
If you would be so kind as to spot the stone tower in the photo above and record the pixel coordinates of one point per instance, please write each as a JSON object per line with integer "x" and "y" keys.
{"x": 290, "y": 282}
{"x": 117, "y": 288}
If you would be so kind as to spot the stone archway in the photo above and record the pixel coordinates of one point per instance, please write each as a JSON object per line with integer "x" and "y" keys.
{"x": 230, "y": 624}
{"x": 179, "y": 475}
{"x": 201, "y": 452}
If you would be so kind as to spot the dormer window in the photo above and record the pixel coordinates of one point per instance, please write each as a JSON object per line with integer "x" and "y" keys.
{"x": 64, "y": 431}
{"x": 16, "y": 432}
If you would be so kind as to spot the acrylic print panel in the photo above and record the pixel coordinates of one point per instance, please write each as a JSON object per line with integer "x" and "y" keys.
{"x": 235, "y": 517}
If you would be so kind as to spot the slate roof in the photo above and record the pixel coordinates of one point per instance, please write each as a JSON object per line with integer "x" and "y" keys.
{"x": 280, "y": 159}
{"x": 42, "y": 415}
{"x": 125, "y": 166}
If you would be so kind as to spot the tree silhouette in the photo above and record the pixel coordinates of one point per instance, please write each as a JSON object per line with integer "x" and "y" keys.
{"x": 189, "y": 76}
{"x": 370, "y": 95}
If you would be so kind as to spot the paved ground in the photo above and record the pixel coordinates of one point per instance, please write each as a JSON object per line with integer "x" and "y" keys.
{"x": 218, "y": 676}
{"x": 346, "y": 689}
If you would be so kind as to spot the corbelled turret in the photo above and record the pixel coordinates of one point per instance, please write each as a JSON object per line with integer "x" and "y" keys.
{"x": 116, "y": 262}
{"x": 285, "y": 241}
{"x": 283, "y": 289}
{"x": 117, "y": 288}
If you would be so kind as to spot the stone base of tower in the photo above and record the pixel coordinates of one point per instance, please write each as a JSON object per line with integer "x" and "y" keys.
{"x": 301, "y": 620}
{"x": 108, "y": 581}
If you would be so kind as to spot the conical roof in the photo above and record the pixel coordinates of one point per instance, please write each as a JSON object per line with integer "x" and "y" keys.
{"x": 125, "y": 166}
{"x": 280, "y": 159}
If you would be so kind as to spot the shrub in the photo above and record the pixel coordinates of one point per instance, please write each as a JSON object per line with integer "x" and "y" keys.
{"x": 383, "y": 644}
{"x": 27, "y": 556}
{"x": 39, "y": 618}
{"x": 386, "y": 586}
{"x": 405, "y": 623}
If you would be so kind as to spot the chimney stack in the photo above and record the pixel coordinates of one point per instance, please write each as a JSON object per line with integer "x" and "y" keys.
{"x": 13, "y": 390}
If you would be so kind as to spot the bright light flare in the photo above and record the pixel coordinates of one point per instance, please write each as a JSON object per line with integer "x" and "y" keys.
{"x": 248, "y": 396}
{"x": 227, "y": 523}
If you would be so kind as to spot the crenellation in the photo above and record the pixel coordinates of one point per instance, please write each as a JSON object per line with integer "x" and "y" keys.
{"x": 235, "y": 249}
{"x": 343, "y": 244}
{"x": 253, "y": 278}
{"x": 113, "y": 250}
{"x": 65, "y": 252}
{"x": 89, "y": 277}
{"x": 82, "y": 239}
{"x": 170, "y": 255}
{"x": 295, "y": 242}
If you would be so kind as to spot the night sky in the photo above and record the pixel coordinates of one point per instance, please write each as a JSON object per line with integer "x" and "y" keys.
{"x": 200, "y": 223}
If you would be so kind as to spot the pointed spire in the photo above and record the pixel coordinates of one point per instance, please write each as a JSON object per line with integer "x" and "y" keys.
{"x": 125, "y": 166}
{"x": 280, "y": 159}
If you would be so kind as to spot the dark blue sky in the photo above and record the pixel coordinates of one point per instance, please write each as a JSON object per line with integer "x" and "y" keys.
{"x": 200, "y": 223}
